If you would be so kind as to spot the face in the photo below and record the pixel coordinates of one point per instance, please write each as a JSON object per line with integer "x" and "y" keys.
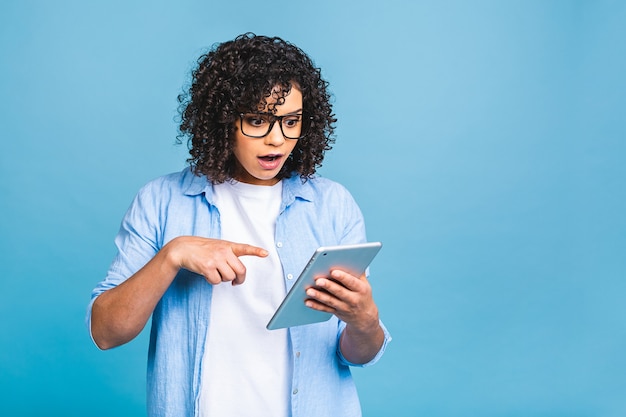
{"x": 259, "y": 160}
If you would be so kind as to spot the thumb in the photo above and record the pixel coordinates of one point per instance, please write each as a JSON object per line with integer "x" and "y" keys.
{"x": 243, "y": 249}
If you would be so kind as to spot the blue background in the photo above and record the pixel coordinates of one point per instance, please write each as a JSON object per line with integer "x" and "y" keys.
{"x": 484, "y": 141}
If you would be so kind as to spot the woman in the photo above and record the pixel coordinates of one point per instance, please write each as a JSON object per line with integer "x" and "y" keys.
{"x": 248, "y": 212}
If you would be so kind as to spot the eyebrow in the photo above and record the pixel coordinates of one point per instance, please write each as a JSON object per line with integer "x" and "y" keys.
{"x": 291, "y": 113}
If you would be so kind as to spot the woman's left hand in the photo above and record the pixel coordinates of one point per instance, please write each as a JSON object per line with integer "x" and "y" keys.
{"x": 350, "y": 299}
{"x": 347, "y": 297}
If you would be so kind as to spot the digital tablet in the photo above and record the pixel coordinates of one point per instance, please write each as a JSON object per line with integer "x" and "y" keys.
{"x": 353, "y": 259}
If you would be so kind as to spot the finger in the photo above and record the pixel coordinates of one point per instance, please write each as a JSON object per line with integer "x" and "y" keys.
{"x": 217, "y": 272}
{"x": 238, "y": 269}
{"x": 227, "y": 274}
{"x": 346, "y": 280}
{"x": 213, "y": 277}
{"x": 316, "y": 305}
{"x": 243, "y": 249}
{"x": 322, "y": 300}
{"x": 330, "y": 287}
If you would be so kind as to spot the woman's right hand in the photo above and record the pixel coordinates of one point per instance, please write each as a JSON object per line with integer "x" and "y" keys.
{"x": 120, "y": 313}
{"x": 216, "y": 260}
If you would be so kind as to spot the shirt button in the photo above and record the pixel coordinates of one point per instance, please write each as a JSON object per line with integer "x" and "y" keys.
{"x": 295, "y": 391}
{"x": 279, "y": 244}
{"x": 297, "y": 354}
{"x": 289, "y": 276}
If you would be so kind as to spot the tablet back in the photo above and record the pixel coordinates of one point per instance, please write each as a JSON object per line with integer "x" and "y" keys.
{"x": 350, "y": 258}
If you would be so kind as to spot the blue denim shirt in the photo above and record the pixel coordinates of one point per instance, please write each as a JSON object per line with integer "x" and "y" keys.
{"x": 315, "y": 213}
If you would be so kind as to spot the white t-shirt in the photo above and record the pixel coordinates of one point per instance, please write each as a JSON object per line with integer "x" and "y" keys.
{"x": 246, "y": 369}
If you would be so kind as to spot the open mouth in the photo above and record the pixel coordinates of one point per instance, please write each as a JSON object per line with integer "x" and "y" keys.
{"x": 270, "y": 162}
{"x": 269, "y": 158}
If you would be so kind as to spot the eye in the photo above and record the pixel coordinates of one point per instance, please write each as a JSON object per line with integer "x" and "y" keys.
{"x": 291, "y": 121}
{"x": 255, "y": 120}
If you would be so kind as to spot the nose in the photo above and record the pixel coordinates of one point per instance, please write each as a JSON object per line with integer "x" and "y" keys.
{"x": 275, "y": 136}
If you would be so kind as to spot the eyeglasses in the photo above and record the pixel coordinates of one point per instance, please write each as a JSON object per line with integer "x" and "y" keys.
{"x": 259, "y": 125}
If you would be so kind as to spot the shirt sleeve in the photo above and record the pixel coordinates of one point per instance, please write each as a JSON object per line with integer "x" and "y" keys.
{"x": 354, "y": 232}
{"x": 137, "y": 242}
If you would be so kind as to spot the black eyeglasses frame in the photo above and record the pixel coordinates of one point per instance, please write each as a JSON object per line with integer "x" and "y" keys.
{"x": 273, "y": 119}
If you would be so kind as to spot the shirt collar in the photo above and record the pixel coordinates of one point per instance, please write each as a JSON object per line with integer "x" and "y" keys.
{"x": 293, "y": 187}
{"x": 194, "y": 184}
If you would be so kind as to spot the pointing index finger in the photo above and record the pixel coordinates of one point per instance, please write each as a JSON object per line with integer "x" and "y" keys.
{"x": 243, "y": 249}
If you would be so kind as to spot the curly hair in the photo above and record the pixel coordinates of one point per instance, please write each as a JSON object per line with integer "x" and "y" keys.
{"x": 238, "y": 76}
